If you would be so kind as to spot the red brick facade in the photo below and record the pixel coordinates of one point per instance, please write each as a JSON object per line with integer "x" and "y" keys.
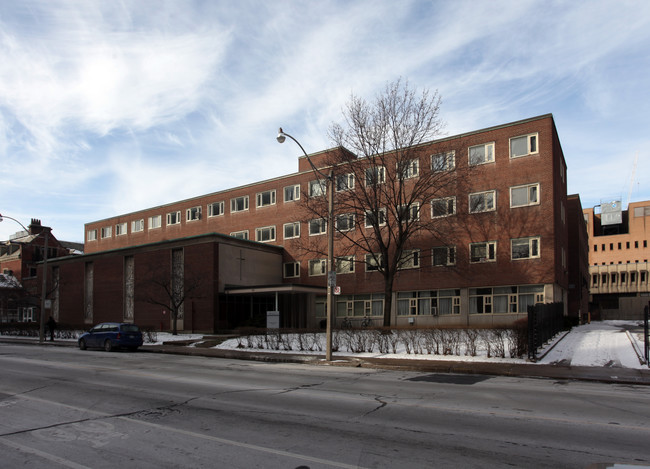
{"x": 483, "y": 293}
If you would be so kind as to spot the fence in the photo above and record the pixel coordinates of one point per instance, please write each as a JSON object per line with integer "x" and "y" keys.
{"x": 544, "y": 321}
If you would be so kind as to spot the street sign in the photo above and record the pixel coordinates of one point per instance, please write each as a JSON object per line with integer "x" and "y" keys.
{"x": 331, "y": 278}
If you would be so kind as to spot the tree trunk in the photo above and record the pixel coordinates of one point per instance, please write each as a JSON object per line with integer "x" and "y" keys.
{"x": 388, "y": 298}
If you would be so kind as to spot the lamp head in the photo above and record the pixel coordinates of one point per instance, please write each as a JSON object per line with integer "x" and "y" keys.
{"x": 281, "y": 138}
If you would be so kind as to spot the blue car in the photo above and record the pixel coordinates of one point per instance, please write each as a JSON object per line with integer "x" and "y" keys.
{"x": 112, "y": 335}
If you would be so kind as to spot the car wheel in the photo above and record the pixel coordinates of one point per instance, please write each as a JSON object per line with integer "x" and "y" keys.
{"x": 108, "y": 345}
{"x": 82, "y": 344}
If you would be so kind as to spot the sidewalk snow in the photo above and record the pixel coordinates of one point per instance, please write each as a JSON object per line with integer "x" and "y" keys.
{"x": 598, "y": 344}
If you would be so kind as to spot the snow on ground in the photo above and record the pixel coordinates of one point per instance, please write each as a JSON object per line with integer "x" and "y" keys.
{"x": 602, "y": 343}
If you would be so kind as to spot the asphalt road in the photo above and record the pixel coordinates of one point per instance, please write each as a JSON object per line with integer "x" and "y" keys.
{"x": 61, "y": 407}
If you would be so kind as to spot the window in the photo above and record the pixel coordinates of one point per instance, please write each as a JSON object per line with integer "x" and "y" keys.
{"x": 353, "y": 305}
{"x": 120, "y": 229}
{"x": 215, "y": 209}
{"x": 443, "y": 161}
{"x": 91, "y": 235}
{"x": 408, "y": 169}
{"x": 345, "y": 222}
{"x": 522, "y": 146}
{"x": 525, "y": 248}
{"x": 499, "y": 300}
{"x": 374, "y": 262}
{"x": 344, "y": 182}
{"x": 481, "y": 154}
{"x": 408, "y": 213}
{"x": 482, "y": 202}
{"x": 317, "y": 188}
{"x": 521, "y": 196}
{"x": 428, "y": 303}
{"x": 265, "y": 234}
{"x": 317, "y": 267}
{"x": 375, "y": 175}
{"x": 377, "y": 217}
{"x": 137, "y": 225}
{"x": 106, "y": 232}
{"x": 291, "y": 269}
{"x": 444, "y": 255}
{"x": 292, "y": 230}
{"x": 410, "y": 259}
{"x": 193, "y": 214}
{"x": 345, "y": 265}
{"x": 292, "y": 193}
{"x": 317, "y": 226}
{"x": 266, "y": 198}
{"x": 173, "y": 218}
{"x": 483, "y": 252}
{"x": 240, "y": 234}
{"x": 239, "y": 204}
{"x": 443, "y": 207}
{"x": 155, "y": 222}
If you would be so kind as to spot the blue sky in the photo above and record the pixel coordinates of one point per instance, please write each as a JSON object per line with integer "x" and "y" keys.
{"x": 109, "y": 107}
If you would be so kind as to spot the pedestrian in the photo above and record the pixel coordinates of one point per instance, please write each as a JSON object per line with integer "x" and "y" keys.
{"x": 51, "y": 325}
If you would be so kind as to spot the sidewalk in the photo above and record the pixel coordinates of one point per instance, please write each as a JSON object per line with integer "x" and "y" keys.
{"x": 613, "y": 375}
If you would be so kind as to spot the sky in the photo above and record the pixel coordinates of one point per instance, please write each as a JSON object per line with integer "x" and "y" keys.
{"x": 111, "y": 107}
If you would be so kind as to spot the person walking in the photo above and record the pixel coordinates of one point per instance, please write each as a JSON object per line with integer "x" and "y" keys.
{"x": 51, "y": 325}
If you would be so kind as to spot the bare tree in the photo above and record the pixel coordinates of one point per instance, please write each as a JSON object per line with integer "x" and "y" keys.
{"x": 391, "y": 188}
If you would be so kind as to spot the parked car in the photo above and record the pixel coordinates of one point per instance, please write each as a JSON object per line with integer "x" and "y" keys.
{"x": 112, "y": 335}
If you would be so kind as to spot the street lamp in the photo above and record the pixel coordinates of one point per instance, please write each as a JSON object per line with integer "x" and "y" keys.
{"x": 331, "y": 271}
{"x": 41, "y": 329}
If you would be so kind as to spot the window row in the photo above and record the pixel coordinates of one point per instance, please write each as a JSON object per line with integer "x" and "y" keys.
{"x": 619, "y": 245}
{"x": 621, "y": 279}
{"x": 522, "y": 248}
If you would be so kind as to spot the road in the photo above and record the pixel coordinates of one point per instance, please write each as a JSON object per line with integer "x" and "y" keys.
{"x": 61, "y": 407}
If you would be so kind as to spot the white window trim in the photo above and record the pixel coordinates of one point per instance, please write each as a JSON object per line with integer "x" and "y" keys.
{"x": 193, "y": 213}
{"x": 369, "y": 258}
{"x": 323, "y": 227}
{"x": 407, "y": 172}
{"x": 121, "y": 229}
{"x": 445, "y": 199}
{"x": 106, "y": 232}
{"x": 151, "y": 222}
{"x": 410, "y": 259}
{"x": 450, "y": 250}
{"x": 91, "y": 235}
{"x": 219, "y": 204}
{"x": 530, "y": 241}
{"x": 323, "y": 267}
{"x": 381, "y": 210}
{"x": 296, "y": 270}
{"x": 450, "y": 161}
{"x": 381, "y": 174}
{"x": 340, "y": 261}
{"x": 137, "y": 225}
{"x": 294, "y": 224}
{"x": 349, "y": 183}
{"x": 295, "y": 191}
{"x": 487, "y": 245}
{"x": 413, "y": 212}
{"x": 235, "y": 234}
{"x": 322, "y": 183}
{"x": 485, "y": 146}
{"x": 264, "y": 229}
{"x": 528, "y": 145}
{"x": 233, "y": 202}
{"x": 259, "y": 198}
{"x": 527, "y": 186}
{"x": 494, "y": 200}
{"x": 177, "y": 213}
{"x": 351, "y": 217}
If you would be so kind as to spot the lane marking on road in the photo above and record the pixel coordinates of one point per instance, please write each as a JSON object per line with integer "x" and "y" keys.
{"x": 42, "y": 454}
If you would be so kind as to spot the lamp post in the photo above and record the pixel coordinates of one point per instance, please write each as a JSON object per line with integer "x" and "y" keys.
{"x": 41, "y": 328}
{"x": 331, "y": 271}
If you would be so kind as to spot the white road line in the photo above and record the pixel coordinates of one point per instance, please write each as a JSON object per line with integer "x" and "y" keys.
{"x": 42, "y": 454}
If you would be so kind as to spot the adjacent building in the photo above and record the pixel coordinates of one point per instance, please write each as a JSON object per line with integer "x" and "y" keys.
{"x": 238, "y": 253}
{"x": 618, "y": 259}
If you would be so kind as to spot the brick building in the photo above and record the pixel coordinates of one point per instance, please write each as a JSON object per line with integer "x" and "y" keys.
{"x": 618, "y": 259}
{"x": 505, "y": 243}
